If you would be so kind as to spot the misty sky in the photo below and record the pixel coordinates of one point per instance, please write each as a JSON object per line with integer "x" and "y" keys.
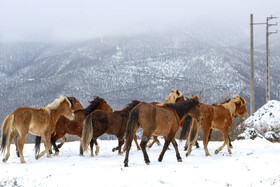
{"x": 71, "y": 20}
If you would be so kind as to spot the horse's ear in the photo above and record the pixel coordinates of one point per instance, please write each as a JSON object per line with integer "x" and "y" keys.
{"x": 196, "y": 99}
{"x": 177, "y": 91}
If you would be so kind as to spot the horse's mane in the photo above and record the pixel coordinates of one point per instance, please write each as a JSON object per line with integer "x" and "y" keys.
{"x": 56, "y": 103}
{"x": 183, "y": 107}
{"x": 128, "y": 108}
{"x": 93, "y": 105}
{"x": 224, "y": 102}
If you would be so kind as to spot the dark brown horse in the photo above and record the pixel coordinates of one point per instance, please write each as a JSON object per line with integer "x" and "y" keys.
{"x": 158, "y": 121}
{"x": 219, "y": 117}
{"x": 40, "y": 122}
{"x": 74, "y": 127}
{"x": 112, "y": 123}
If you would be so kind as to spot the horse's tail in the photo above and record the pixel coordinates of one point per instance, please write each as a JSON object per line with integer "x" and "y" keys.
{"x": 87, "y": 133}
{"x": 37, "y": 144}
{"x": 193, "y": 132}
{"x": 6, "y": 131}
{"x": 186, "y": 126}
{"x": 132, "y": 126}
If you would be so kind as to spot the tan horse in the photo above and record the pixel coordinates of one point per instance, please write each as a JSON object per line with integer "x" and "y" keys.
{"x": 219, "y": 117}
{"x": 158, "y": 121}
{"x": 40, "y": 122}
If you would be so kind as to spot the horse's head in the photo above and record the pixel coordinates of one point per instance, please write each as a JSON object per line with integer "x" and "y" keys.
{"x": 241, "y": 109}
{"x": 67, "y": 110}
{"x": 75, "y": 103}
{"x": 103, "y": 105}
{"x": 175, "y": 96}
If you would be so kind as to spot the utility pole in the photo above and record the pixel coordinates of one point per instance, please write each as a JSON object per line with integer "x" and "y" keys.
{"x": 267, "y": 55}
{"x": 252, "y": 91}
{"x": 252, "y": 96}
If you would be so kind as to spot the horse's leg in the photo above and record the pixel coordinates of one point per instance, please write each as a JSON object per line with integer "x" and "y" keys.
{"x": 96, "y": 147}
{"x": 54, "y": 146}
{"x": 121, "y": 142}
{"x": 91, "y": 147}
{"x": 175, "y": 145}
{"x": 155, "y": 140}
{"x": 145, "y": 138}
{"x": 15, "y": 139}
{"x": 226, "y": 142}
{"x": 47, "y": 142}
{"x": 136, "y": 142}
{"x": 230, "y": 142}
{"x": 63, "y": 138}
{"x": 21, "y": 142}
{"x": 166, "y": 144}
{"x": 205, "y": 139}
{"x": 12, "y": 136}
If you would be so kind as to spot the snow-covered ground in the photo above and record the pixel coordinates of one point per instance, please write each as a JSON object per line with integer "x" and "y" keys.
{"x": 253, "y": 163}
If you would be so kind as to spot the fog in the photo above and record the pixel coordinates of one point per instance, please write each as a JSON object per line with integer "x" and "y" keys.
{"x": 72, "y": 20}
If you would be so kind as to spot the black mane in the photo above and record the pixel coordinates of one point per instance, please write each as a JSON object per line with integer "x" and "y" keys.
{"x": 93, "y": 105}
{"x": 182, "y": 107}
{"x": 128, "y": 108}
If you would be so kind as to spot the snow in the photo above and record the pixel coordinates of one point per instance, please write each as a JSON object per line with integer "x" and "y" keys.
{"x": 267, "y": 118}
{"x": 252, "y": 163}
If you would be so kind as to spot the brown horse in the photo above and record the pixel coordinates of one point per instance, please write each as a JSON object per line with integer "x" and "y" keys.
{"x": 175, "y": 97}
{"x": 158, "y": 121}
{"x": 75, "y": 127}
{"x": 40, "y": 122}
{"x": 100, "y": 122}
{"x": 219, "y": 117}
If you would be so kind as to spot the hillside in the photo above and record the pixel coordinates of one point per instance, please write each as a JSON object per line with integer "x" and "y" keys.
{"x": 143, "y": 67}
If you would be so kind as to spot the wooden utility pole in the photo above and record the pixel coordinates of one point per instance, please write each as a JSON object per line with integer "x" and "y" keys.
{"x": 252, "y": 95}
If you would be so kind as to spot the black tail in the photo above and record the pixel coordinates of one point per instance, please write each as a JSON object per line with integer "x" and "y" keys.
{"x": 186, "y": 127}
{"x": 37, "y": 144}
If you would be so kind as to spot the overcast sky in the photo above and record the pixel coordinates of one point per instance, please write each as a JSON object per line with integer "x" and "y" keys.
{"x": 70, "y": 20}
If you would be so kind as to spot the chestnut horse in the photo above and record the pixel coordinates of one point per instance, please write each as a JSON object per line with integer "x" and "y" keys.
{"x": 158, "y": 121}
{"x": 40, "y": 122}
{"x": 219, "y": 117}
{"x": 75, "y": 127}
{"x": 100, "y": 122}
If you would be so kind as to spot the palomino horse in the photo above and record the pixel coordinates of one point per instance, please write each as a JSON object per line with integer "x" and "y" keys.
{"x": 158, "y": 121}
{"x": 100, "y": 122}
{"x": 40, "y": 122}
{"x": 219, "y": 117}
{"x": 75, "y": 127}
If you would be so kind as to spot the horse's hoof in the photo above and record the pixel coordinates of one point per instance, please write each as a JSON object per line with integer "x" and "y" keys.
{"x": 113, "y": 150}
{"x": 36, "y": 157}
{"x": 147, "y": 162}
{"x": 56, "y": 153}
{"x": 159, "y": 159}
{"x": 179, "y": 160}
{"x": 23, "y": 162}
{"x": 120, "y": 154}
{"x": 4, "y": 160}
{"x": 125, "y": 164}
{"x": 48, "y": 156}
{"x": 187, "y": 154}
{"x": 217, "y": 151}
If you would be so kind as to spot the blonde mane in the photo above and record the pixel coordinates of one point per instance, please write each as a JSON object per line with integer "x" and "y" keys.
{"x": 56, "y": 103}
{"x": 172, "y": 97}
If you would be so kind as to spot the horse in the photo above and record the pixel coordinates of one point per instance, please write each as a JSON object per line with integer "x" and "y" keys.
{"x": 75, "y": 127}
{"x": 219, "y": 117}
{"x": 174, "y": 97}
{"x": 112, "y": 123}
{"x": 159, "y": 121}
{"x": 40, "y": 122}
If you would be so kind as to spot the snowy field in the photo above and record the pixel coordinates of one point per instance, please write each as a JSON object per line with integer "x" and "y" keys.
{"x": 253, "y": 163}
